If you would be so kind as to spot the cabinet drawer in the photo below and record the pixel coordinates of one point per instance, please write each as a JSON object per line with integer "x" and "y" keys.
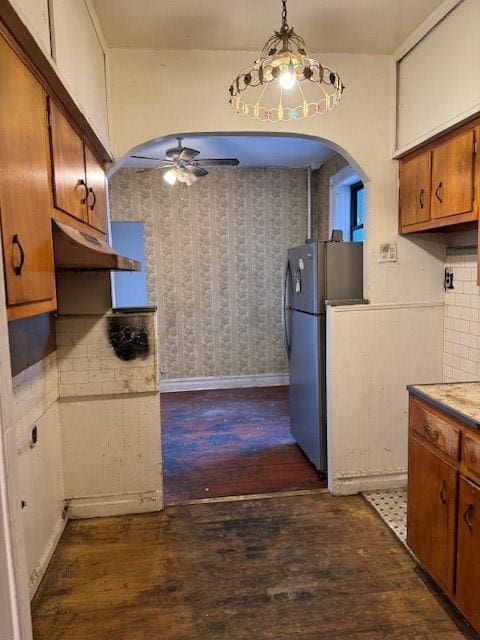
{"x": 438, "y": 431}
{"x": 471, "y": 454}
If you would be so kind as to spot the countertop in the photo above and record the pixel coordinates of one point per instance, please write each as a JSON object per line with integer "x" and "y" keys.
{"x": 461, "y": 400}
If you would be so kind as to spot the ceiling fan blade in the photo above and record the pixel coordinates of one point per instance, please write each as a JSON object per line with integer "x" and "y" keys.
{"x": 198, "y": 172}
{"x": 218, "y": 162}
{"x": 158, "y": 167}
{"x": 186, "y": 155}
{"x": 144, "y": 158}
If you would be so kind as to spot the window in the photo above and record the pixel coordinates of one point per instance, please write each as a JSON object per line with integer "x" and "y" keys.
{"x": 357, "y": 211}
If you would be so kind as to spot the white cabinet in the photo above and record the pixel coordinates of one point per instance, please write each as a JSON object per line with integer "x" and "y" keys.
{"x": 79, "y": 55}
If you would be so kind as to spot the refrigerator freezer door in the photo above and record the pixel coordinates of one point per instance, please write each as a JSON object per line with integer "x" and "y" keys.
{"x": 303, "y": 263}
{"x": 344, "y": 270}
{"x": 307, "y": 396}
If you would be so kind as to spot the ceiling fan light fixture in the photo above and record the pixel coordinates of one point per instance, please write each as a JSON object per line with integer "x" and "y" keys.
{"x": 183, "y": 175}
{"x": 190, "y": 179}
{"x": 171, "y": 176}
{"x": 286, "y": 81}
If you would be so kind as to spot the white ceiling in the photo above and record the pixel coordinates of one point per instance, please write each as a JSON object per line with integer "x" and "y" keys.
{"x": 350, "y": 26}
{"x": 252, "y": 151}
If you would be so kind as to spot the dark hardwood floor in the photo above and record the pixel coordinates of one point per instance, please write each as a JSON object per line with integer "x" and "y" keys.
{"x": 229, "y": 443}
{"x": 309, "y": 567}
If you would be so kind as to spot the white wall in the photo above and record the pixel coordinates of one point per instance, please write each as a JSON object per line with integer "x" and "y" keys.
{"x": 39, "y": 466}
{"x": 114, "y": 404}
{"x": 438, "y": 78}
{"x": 373, "y": 352}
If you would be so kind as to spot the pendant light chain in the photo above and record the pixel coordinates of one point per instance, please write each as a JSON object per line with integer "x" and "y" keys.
{"x": 284, "y": 16}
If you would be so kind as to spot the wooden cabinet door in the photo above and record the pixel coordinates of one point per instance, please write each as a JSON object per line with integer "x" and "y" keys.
{"x": 415, "y": 181}
{"x": 68, "y": 166}
{"x": 432, "y": 491}
{"x": 25, "y": 194}
{"x": 453, "y": 176}
{"x": 468, "y": 552}
{"x": 96, "y": 201}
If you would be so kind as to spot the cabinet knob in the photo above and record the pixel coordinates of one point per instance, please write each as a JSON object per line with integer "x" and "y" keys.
{"x": 421, "y": 198}
{"x": 439, "y": 192}
{"x": 432, "y": 433}
{"x": 443, "y": 493}
{"x": 467, "y": 516}
{"x": 82, "y": 183}
{"x": 18, "y": 267}
{"x": 94, "y": 202}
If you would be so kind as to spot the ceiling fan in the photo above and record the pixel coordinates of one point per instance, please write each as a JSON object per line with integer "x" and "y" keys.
{"x": 183, "y": 165}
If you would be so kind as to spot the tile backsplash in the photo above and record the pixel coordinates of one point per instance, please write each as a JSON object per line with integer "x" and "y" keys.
{"x": 462, "y": 318}
{"x": 34, "y": 391}
{"x": 88, "y": 366}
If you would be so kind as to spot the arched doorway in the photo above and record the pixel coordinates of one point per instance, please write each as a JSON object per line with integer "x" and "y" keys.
{"x": 215, "y": 255}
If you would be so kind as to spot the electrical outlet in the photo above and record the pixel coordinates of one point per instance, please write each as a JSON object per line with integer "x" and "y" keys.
{"x": 388, "y": 253}
{"x": 448, "y": 280}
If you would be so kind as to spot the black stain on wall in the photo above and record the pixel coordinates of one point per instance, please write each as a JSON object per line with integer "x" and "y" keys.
{"x": 129, "y": 337}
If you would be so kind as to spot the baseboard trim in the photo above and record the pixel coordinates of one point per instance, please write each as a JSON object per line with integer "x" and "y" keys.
{"x": 114, "y": 505}
{"x": 39, "y": 571}
{"x": 347, "y": 486}
{"x": 224, "y": 382}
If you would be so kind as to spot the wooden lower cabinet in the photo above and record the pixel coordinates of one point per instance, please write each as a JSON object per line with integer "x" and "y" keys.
{"x": 468, "y": 552}
{"x": 443, "y": 528}
{"x": 432, "y": 492}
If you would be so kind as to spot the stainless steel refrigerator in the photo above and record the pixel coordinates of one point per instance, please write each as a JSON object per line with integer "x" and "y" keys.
{"x": 315, "y": 272}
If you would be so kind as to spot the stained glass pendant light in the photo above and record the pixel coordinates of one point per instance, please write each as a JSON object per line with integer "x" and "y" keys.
{"x": 285, "y": 82}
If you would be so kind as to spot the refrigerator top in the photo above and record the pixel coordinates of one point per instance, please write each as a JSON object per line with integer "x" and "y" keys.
{"x": 320, "y": 271}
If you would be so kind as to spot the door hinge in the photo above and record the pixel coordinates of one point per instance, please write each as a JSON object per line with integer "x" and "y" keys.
{"x": 475, "y": 146}
{"x": 49, "y": 120}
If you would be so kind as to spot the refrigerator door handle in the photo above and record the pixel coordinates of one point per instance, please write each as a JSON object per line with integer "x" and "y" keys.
{"x": 285, "y": 308}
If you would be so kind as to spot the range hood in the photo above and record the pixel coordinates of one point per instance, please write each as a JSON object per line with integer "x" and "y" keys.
{"x": 79, "y": 251}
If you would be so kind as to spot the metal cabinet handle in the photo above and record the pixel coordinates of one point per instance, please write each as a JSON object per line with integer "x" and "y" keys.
{"x": 91, "y": 191}
{"x": 82, "y": 183}
{"x": 285, "y": 307}
{"x": 432, "y": 433}
{"x": 437, "y": 192}
{"x": 443, "y": 493}
{"x": 421, "y": 198}
{"x": 467, "y": 516}
{"x": 18, "y": 268}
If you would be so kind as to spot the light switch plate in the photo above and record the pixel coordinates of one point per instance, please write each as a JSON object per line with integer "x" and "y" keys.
{"x": 388, "y": 253}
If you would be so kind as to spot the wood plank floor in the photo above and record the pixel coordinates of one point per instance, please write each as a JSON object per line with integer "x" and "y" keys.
{"x": 231, "y": 442}
{"x": 309, "y": 567}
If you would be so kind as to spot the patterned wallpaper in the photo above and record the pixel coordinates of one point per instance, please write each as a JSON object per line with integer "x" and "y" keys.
{"x": 321, "y": 195}
{"x": 215, "y": 259}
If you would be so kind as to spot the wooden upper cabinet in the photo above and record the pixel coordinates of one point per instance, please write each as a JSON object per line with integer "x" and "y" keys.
{"x": 468, "y": 552}
{"x": 25, "y": 193}
{"x": 432, "y": 492}
{"x": 453, "y": 176}
{"x": 96, "y": 200}
{"x": 415, "y": 181}
{"x": 68, "y": 166}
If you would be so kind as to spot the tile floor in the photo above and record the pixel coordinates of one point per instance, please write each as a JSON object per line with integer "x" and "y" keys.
{"x": 392, "y": 507}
